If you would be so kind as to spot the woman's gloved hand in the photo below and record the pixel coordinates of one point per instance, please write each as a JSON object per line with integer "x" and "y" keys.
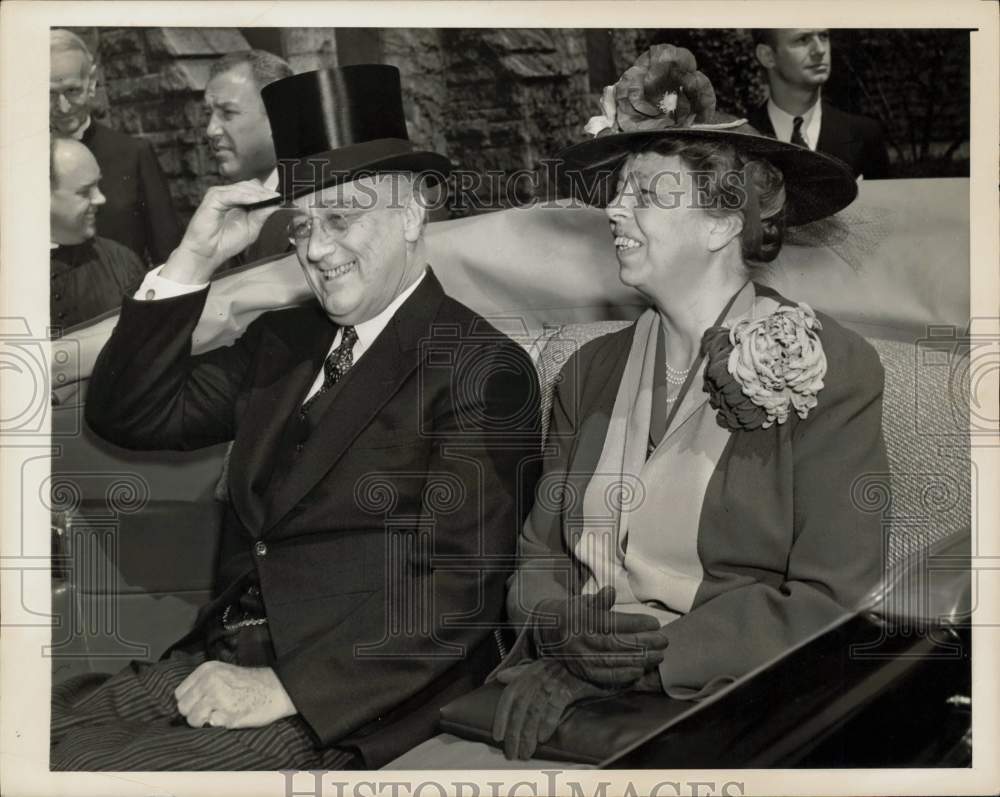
{"x": 607, "y": 648}
{"x": 534, "y": 699}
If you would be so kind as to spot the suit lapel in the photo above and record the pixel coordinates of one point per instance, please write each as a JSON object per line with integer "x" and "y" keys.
{"x": 286, "y": 367}
{"x": 364, "y": 390}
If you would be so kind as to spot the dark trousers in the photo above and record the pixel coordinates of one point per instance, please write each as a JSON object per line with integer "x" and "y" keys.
{"x": 129, "y": 721}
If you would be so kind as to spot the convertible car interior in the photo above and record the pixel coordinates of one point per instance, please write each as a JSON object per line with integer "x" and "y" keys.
{"x": 890, "y": 685}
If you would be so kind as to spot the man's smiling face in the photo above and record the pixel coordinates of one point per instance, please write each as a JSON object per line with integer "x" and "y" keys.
{"x": 351, "y": 241}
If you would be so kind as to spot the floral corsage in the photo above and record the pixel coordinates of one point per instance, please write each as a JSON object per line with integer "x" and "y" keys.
{"x": 757, "y": 372}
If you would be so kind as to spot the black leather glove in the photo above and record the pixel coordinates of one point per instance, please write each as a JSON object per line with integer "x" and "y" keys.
{"x": 533, "y": 702}
{"x": 607, "y": 648}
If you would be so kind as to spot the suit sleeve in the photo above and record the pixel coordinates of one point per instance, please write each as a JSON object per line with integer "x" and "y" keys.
{"x": 449, "y": 584}
{"x": 163, "y": 232}
{"x": 835, "y": 558}
{"x": 148, "y": 392}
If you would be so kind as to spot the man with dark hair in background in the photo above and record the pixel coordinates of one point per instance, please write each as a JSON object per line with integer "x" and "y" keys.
{"x": 89, "y": 274}
{"x": 139, "y": 212}
{"x": 797, "y": 63}
{"x": 240, "y": 135}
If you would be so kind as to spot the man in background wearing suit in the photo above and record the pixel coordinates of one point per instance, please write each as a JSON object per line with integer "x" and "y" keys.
{"x": 240, "y": 136}
{"x": 386, "y": 445}
{"x": 797, "y": 62}
{"x": 139, "y": 212}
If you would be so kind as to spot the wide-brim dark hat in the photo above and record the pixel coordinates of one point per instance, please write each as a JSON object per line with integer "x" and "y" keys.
{"x": 816, "y": 184}
{"x": 334, "y": 125}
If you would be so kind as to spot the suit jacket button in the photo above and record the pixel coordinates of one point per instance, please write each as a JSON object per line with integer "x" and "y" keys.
{"x": 260, "y": 549}
{"x": 299, "y": 446}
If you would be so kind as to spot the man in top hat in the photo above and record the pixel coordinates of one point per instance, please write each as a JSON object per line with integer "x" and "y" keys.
{"x": 139, "y": 212}
{"x": 797, "y": 63}
{"x": 385, "y": 439}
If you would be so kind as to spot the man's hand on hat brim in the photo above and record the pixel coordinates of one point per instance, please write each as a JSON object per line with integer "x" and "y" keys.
{"x": 220, "y": 228}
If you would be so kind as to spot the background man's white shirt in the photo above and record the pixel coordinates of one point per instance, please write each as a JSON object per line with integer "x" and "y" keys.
{"x": 784, "y": 122}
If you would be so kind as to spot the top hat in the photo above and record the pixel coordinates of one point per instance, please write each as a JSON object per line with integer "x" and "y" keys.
{"x": 335, "y": 125}
{"x": 663, "y": 96}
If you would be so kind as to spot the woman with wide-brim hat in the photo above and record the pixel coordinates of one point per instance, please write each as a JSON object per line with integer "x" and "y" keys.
{"x": 696, "y": 516}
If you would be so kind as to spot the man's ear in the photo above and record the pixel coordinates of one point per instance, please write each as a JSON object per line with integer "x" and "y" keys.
{"x": 765, "y": 55}
{"x": 414, "y": 213}
{"x": 723, "y": 229}
{"x": 92, "y": 82}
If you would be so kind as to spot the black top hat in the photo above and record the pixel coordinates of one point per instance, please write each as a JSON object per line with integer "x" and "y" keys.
{"x": 335, "y": 125}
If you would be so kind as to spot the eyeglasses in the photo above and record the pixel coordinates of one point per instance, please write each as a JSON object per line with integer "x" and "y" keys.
{"x": 333, "y": 224}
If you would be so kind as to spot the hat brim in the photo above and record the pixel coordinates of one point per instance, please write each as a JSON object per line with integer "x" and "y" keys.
{"x": 332, "y": 168}
{"x": 817, "y": 185}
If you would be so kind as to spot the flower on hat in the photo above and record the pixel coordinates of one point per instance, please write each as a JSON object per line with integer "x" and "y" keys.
{"x": 605, "y": 123}
{"x": 662, "y": 89}
{"x": 759, "y": 371}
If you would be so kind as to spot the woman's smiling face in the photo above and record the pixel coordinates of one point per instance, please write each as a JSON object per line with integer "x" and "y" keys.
{"x": 660, "y": 232}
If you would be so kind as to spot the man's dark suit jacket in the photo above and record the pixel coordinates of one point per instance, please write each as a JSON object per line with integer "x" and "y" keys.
{"x": 856, "y": 140}
{"x": 381, "y": 531}
{"x": 139, "y": 212}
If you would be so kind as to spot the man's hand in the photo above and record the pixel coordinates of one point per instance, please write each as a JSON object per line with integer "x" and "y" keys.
{"x": 220, "y": 228}
{"x": 611, "y": 649}
{"x": 533, "y": 702}
{"x": 226, "y": 696}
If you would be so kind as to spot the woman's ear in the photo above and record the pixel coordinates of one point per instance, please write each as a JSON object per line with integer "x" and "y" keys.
{"x": 723, "y": 229}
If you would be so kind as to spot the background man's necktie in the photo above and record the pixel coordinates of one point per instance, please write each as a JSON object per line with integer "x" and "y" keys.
{"x": 797, "y": 137}
{"x": 336, "y": 364}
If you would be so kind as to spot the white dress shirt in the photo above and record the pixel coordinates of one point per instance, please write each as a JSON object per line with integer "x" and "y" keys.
{"x": 154, "y": 287}
{"x": 783, "y": 123}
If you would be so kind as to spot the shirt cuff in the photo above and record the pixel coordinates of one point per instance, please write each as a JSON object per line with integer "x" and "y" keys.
{"x": 156, "y": 287}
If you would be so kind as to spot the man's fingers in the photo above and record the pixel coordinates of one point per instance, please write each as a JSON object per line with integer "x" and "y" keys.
{"x": 188, "y": 702}
{"x": 188, "y": 683}
{"x": 198, "y": 716}
{"x": 219, "y": 718}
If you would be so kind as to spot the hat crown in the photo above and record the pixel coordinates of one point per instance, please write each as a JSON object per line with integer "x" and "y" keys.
{"x": 328, "y": 109}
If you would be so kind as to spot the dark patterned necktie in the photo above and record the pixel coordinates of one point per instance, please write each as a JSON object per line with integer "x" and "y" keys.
{"x": 797, "y": 137}
{"x": 336, "y": 364}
